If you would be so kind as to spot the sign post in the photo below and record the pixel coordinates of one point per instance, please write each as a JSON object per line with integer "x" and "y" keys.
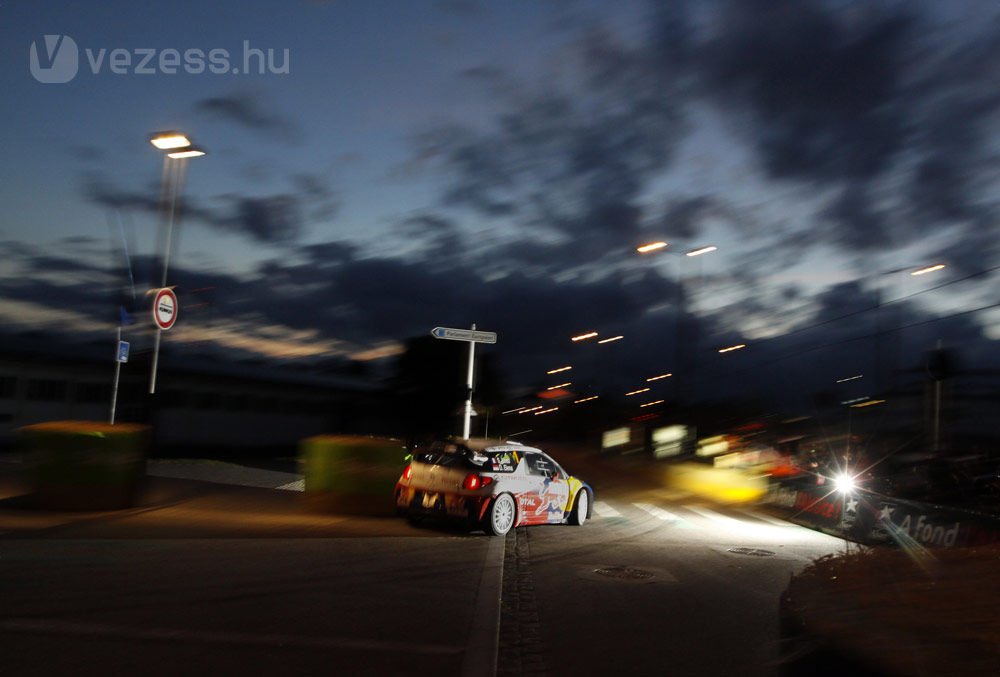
{"x": 164, "y": 316}
{"x": 472, "y": 337}
{"x": 120, "y": 359}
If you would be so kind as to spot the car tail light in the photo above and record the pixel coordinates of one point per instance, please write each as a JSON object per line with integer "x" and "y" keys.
{"x": 474, "y": 481}
{"x": 408, "y": 472}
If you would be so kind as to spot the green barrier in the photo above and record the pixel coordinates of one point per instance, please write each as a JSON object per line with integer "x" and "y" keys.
{"x": 351, "y": 474}
{"x": 85, "y": 465}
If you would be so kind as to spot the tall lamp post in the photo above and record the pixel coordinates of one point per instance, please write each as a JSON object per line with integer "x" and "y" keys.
{"x": 177, "y": 149}
{"x": 914, "y": 271}
{"x": 681, "y": 311}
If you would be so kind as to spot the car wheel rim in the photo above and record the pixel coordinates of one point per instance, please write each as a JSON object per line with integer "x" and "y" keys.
{"x": 503, "y": 514}
{"x": 581, "y": 507}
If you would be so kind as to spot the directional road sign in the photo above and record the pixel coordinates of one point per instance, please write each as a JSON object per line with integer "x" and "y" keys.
{"x": 470, "y": 335}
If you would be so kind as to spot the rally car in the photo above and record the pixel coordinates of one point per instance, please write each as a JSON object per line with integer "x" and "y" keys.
{"x": 497, "y": 486}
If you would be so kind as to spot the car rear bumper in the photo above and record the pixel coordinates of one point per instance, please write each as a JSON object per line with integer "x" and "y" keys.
{"x": 440, "y": 504}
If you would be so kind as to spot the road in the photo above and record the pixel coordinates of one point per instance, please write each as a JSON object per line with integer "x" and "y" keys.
{"x": 215, "y": 577}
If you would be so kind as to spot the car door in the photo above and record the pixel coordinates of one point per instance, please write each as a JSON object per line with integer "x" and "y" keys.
{"x": 547, "y": 492}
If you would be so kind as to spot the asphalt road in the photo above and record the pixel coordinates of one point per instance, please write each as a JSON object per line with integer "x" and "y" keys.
{"x": 232, "y": 576}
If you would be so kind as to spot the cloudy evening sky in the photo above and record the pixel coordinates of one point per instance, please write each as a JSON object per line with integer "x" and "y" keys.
{"x": 403, "y": 165}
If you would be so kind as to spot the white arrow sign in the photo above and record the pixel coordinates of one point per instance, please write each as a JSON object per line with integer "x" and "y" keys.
{"x": 464, "y": 335}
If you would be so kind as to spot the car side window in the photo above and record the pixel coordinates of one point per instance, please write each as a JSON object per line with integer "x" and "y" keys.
{"x": 534, "y": 465}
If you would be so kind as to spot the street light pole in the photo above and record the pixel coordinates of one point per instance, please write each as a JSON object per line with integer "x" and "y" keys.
{"x": 178, "y": 149}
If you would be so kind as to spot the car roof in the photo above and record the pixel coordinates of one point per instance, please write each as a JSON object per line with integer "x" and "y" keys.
{"x": 483, "y": 444}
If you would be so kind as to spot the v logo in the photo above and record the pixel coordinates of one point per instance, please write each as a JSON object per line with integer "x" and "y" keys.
{"x": 56, "y": 60}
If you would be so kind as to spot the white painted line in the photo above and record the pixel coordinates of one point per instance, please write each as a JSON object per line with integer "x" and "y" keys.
{"x": 716, "y": 517}
{"x": 57, "y": 627}
{"x": 483, "y": 647}
{"x": 658, "y": 512}
{"x": 297, "y": 485}
{"x": 767, "y": 518}
{"x": 604, "y": 510}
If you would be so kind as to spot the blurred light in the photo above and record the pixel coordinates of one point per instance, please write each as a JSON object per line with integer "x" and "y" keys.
{"x": 869, "y": 403}
{"x": 844, "y": 483}
{"x": 556, "y": 371}
{"x": 850, "y": 378}
{"x": 701, "y": 250}
{"x": 651, "y": 247}
{"x": 586, "y": 399}
{"x": 929, "y": 269}
{"x": 169, "y": 140}
{"x": 636, "y": 392}
{"x": 650, "y": 404}
{"x": 186, "y": 153}
{"x": 528, "y": 411}
{"x": 561, "y": 385}
{"x": 732, "y": 348}
{"x": 613, "y": 338}
{"x": 546, "y": 411}
{"x": 584, "y": 337}
{"x": 514, "y": 411}
{"x": 657, "y": 378}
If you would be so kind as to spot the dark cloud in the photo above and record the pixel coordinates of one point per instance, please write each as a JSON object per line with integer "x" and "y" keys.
{"x": 248, "y": 110}
{"x": 272, "y": 219}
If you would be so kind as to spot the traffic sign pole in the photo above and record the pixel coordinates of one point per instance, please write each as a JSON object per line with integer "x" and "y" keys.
{"x": 468, "y": 389}
{"x": 164, "y": 316}
{"x": 472, "y": 337}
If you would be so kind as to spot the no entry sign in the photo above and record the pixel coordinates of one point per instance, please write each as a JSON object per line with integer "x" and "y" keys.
{"x": 165, "y": 308}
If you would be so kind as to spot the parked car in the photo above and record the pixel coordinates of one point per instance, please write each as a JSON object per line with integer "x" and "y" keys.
{"x": 496, "y": 486}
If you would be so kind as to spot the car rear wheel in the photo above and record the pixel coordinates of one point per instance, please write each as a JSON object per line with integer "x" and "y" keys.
{"x": 501, "y": 516}
{"x": 580, "y": 508}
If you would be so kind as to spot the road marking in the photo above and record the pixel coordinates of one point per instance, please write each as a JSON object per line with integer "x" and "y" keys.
{"x": 54, "y": 627}
{"x": 716, "y": 517}
{"x": 604, "y": 510}
{"x": 297, "y": 485}
{"x": 658, "y": 513}
{"x": 767, "y": 518}
{"x": 482, "y": 649}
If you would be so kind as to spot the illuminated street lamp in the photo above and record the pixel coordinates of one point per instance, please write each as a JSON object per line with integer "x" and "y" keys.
{"x": 611, "y": 340}
{"x": 730, "y": 349}
{"x": 701, "y": 250}
{"x": 651, "y": 247}
{"x": 169, "y": 140}
{"x": 177, "y": 149}
{"x": 583, "y": 337}
{"x": 913, "y": 271}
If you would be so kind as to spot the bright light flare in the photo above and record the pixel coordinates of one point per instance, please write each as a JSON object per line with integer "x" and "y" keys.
{"x": 530, "y": 410}
{"x": 929, "y": 269}
{"x": 186, "y": 153}
{"x": 732, "y": 348}
{"x": 586, "y": 399}
{"x": 651, "y": 404}
{"x": 636, "y": 392}
{"x": 651, "y": 247}
{"x": 612, "y": 339}
{"x": 657, "y": 378}
{"x": 844, "y": 483}
{"x": 546, "y": 411}
{"x": 584, "y": 337}
{"x": 169, "y": 140}
{"x": 701, "y": 250}
{"x": 561, "y": 385}
{"x": 560, "y": 369}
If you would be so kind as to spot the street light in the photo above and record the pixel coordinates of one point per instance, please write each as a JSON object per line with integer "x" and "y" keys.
{"x": 682, "y": 311}
{"x": 914, "y": 271}
{"x": 178, "y": 149}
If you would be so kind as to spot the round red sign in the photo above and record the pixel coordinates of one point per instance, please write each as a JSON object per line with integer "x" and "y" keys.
{"x": 165, "y": 308}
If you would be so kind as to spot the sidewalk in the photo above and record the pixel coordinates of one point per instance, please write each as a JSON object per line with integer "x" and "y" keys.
{"x": 191, "y": 499}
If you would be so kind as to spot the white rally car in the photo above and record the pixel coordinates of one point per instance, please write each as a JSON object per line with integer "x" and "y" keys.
{"x": 498, "y": 486}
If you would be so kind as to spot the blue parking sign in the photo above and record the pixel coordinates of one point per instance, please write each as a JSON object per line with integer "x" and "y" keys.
{"x": 123, "y": 351}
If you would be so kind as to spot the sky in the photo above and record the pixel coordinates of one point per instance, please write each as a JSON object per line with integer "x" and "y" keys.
{"x": 379, "y": 168}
